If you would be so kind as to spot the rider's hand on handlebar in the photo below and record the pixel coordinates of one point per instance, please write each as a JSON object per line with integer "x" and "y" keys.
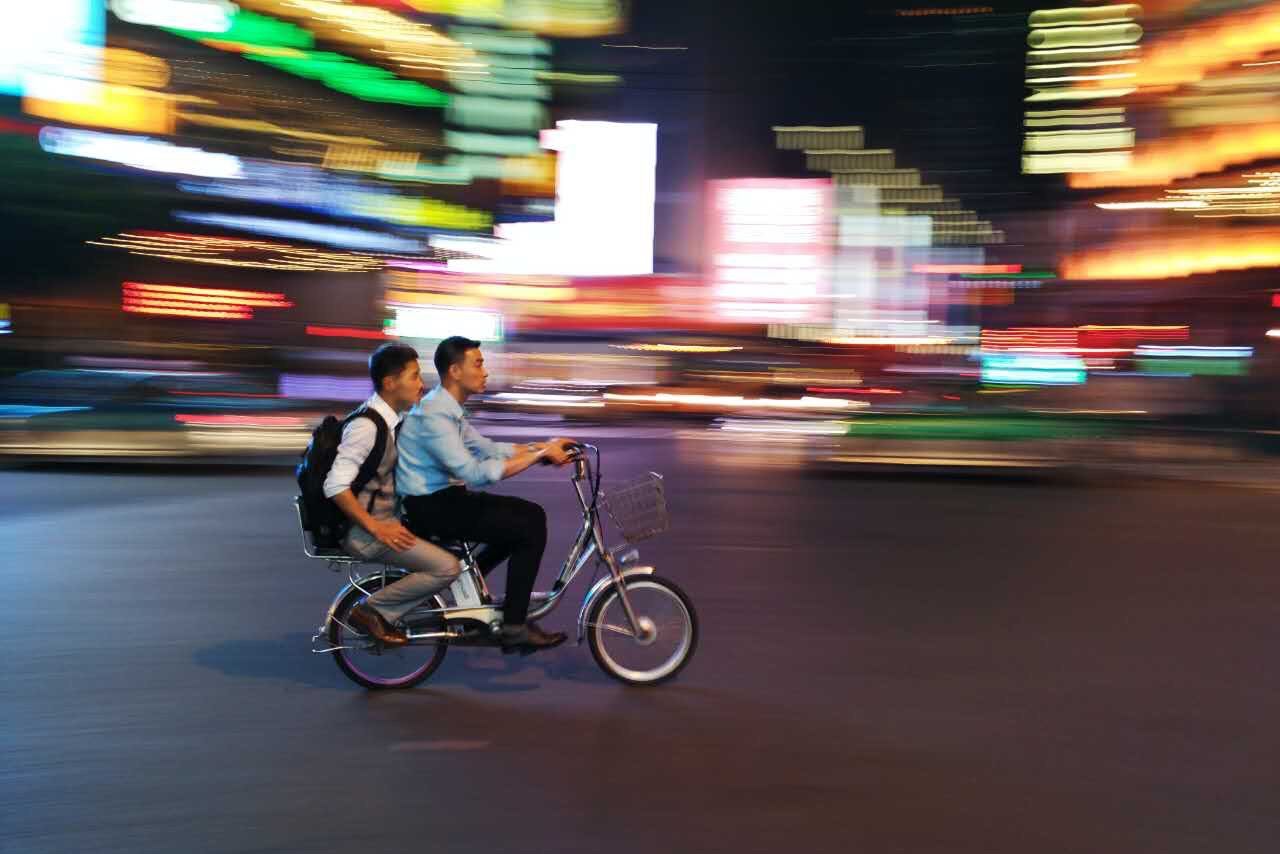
{"x": 557, "y": 454}
{"x": 391, "y": 533}
{"x": 562, "y": 450}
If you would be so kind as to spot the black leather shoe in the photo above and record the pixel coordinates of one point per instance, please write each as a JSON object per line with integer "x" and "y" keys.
{"x": 529, "y": 638}
{"x": 370, "y": 622}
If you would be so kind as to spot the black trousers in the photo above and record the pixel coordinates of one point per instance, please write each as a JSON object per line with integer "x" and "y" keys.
{"x": 509, "y": 527}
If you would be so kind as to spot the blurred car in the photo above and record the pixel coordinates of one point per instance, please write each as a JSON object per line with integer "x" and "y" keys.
{"x": 147, "y": 414}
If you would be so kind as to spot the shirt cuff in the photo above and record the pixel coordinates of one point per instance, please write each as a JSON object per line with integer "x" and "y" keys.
{"x": 493, "y": 470}
{"x": 506, "y": 450}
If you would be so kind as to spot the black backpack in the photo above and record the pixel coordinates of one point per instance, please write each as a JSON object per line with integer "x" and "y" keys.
{"x": 321, "y": 516}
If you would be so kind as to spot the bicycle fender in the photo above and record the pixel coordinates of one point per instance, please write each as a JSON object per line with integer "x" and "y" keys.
{"x": 597, "y": 589}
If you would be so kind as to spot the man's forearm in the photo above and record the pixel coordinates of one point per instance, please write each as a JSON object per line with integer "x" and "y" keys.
{"x": 349, "y": 504}
{"x": 522, "y": 459}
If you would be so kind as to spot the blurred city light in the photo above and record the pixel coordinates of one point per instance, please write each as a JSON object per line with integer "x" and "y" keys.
{"x": 261, "y": 191}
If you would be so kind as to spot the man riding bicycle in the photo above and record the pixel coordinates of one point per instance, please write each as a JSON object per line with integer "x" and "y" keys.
{"x": 442, "y": 458}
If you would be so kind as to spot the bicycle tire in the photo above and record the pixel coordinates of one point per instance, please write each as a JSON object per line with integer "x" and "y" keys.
{"x": 608, "y": 663}
{"x": 351, "y": 671}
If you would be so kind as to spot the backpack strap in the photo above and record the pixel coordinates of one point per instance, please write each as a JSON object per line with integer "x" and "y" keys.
{"x": 369, "y": 467}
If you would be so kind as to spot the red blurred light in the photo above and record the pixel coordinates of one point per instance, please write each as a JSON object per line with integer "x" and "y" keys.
{"x": 1275, "y": 300}
{"x": 346, "y": 332}
{"x": 207, "y": 303}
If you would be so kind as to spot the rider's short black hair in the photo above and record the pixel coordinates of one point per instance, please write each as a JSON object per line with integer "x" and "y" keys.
{"x": 388, "y": 361}
{"x": 451, "y": 351}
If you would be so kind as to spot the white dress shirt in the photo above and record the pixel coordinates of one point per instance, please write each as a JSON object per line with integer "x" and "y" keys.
{"x": 356, "y": 445}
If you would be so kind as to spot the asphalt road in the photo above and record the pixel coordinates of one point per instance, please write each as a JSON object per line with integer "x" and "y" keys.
{"x": 885, "y": 665}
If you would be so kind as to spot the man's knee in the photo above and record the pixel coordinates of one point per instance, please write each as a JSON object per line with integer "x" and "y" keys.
{"x": 531, "y": 520}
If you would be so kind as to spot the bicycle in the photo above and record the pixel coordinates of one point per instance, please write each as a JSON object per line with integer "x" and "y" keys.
{"x": 629, "y": 616}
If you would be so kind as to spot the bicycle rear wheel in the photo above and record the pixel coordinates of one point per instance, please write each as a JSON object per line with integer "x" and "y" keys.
{"x": 372, "y": 665}
{"x": 668, "y": 638}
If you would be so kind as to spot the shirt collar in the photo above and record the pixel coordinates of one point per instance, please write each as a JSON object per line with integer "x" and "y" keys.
{"x": 378, "y": 405}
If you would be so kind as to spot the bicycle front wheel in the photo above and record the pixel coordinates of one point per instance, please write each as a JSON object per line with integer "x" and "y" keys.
{"x": 664, "y": 644}
{"x": 372, "y": 665}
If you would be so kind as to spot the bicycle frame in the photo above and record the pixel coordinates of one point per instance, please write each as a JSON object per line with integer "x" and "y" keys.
{"x": 471, "y": 594}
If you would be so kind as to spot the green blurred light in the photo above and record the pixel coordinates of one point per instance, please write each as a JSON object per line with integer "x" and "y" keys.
{"x": 1195, "y": 367}
{"x": 973, "y": 428}
{"x": 254, "y": 29}
{"x": 338, "y": 72}
{"x": 1048, "y": 274}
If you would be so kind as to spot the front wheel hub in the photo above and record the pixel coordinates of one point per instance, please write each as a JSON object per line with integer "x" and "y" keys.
{"x": 648, "y": 631}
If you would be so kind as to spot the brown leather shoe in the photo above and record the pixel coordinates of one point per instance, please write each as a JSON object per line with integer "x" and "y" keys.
{"x": 370, "y": 622}
{"x": 528, "y": 638}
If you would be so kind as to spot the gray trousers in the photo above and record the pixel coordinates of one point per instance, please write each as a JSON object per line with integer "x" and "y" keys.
{"x": 431, "y": 569}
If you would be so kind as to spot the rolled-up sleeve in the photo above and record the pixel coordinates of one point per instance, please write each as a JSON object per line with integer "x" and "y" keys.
{"x": 436, "y": 437}
{"x": 358, "y": 438}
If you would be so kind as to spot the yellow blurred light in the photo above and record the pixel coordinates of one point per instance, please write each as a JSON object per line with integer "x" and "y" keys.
{"x": 1102, "y": 161}
{"x": 224, "y": 252}
{"x": 534, "y": 175}
{"x": 123, "y": 67}
{"x": 1087, "y": 16}
{"x": 270, "y": 128}
{"x": 579, "y": 78}
{"x": 1092, "y": 36}
{"x": 1077, "y": 94}
{"x": 119, "y": 107}
{"x": 1178, "y": 255}
{"x": 412, "y": 46}
{"x": 1079, "y": 140}
{"x": 1097, "y": 63}
{"x": 1165, "y": 204}
{"x": 1070, "y": 53}
{"x": 1071, "y": 78}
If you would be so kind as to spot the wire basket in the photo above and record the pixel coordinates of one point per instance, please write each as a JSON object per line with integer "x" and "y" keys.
{"x": 638, "y": 508}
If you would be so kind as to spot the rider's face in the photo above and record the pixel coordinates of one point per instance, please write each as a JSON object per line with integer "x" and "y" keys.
{"x": 470, "y": 372}
{"x": 405, "y": 388}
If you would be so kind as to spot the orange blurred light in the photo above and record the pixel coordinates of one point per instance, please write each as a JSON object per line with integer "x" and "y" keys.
{"x": 1177, "y": 254}
{"x": 1186, "y": 155}
{"x": 1188, "y": 54}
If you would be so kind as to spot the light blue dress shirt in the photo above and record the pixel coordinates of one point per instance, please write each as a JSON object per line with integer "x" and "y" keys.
{"x": 439, "y": 448}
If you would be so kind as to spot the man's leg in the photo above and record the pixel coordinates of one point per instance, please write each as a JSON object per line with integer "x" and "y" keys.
{"x": 504, "y": 523}
{"x": 431, "y": 569}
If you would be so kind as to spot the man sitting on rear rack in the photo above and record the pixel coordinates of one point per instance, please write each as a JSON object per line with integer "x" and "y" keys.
{"x": 376, "y": 533}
